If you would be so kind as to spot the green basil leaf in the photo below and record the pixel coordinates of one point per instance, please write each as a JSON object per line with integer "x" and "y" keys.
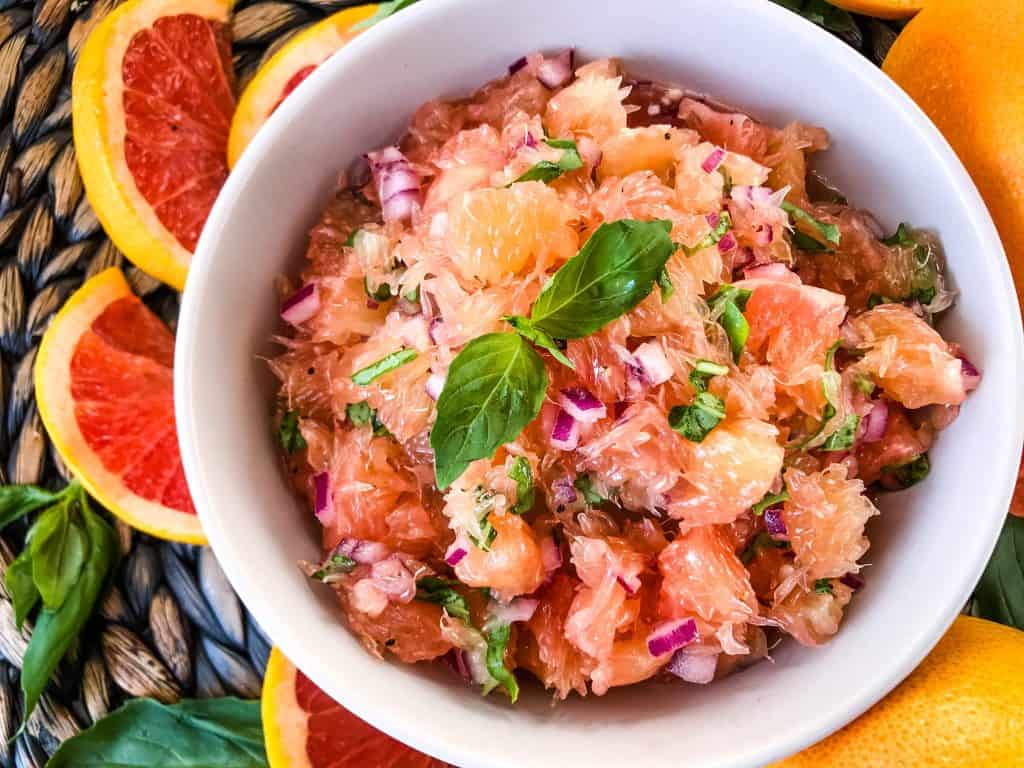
{"x": 827, "y": 16}
{"x": 902, "y": 236}
{"x": 209, "y": 733}
{"x": 864, "y": 384}
{"x": 761, "y": 541}
{"x": 809, "y": 244}
{"x": 665, "y": 285}
{"x": 823, "y": 586}
{"x": 613, "y": 272}
{"x": 546, "y": 170}
{"x": 350, "y": 241}
{"x": 696, "y": 420}
{"x": 432, "y": 589}
{"x": 16, "y": 501}
{"x": 24, "y": 593}
{"x": 333, "y": 567}
{"x": 362, "y": 415}
{"x": 843, "y": 438}
{"x": 770, "y": 500}
{"x": 381, "y": 293}
{"x": 495, "y": 387}
{"x": 723, "y": 225}
{"x": 732, "y": 301}
{"x": 385, "y": 9}
{"x": 55, "y": 630}
{"x": 911, "y": 473}
{"x": 386, "y": 364}
{"x": 531, "y": 333}
{"x": 497, "y": 640}
{"x": 585, "y": 486}
{"x": 561, "y": 143}
{"x": 999, "y": 595}
{"x": 703, "y": 371}
{"x": 828, "y": 231}
{"x": 288, "y": 433}
{"x": 521, "y": 472}
{"x": 58, "y": 550}
{"x": 876, "y": 298}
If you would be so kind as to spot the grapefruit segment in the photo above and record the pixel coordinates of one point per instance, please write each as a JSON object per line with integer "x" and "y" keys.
{"x": 104, "y": 384}
{"x": 305, "y": 728}
{"x": 152, "y": 100}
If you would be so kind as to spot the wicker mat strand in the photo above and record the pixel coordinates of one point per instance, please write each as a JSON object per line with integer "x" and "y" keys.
{"x": 171, "y": 626}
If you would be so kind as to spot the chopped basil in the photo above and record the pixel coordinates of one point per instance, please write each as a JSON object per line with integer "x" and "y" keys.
{"x": 843, "y": 438}
{"x": 723, "y": 225}
{"x": 826, "y": 15}
{"x": 809, "y": 244}
{"x": 665, "y": 285}
{"x": 702, "y": 373}
{"x": 521, "y": 472}
{"x": 864, "y": 384}
{"x": 497, "y": 640}
{"x": 926, "y": 277}
{"x": 911, "y": 473}
{"x": 696, "y": 420}
{"x": 381, "y": 293}
{"x": 770, "y": 500}
{"x": 528, "y": 331}
{"x": 761, "y": 541}
{"x": 547, "y": 170}
{"x": 876, "y": 298}
{"x": 361, "y": 415}
{"x": 823, "y": 586}
{"x": 413, "y": 295}
{"x": 350, "y": 241}
{"x": 585, "y": 486}
{"x": 288, "y": 433}
{"x": 495, "y": 387}
{"x": 432, "y": 589}
{"x": 333, "y": 567}
{"x": 732, "y": 301}
{"x": 386, "y": 364}
{"x": 900, "y": 237}
{"x": 845, "y": 435}
{"x": 830, "y": 232}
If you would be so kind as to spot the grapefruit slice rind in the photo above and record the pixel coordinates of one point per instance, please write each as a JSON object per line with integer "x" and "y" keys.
{"x": 104, "y": 386}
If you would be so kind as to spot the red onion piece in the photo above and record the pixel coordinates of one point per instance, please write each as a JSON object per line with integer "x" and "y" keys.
{"x": 565, "y": 435}
{"x": 853, "y": 580}
{"x": 516, "y": 65}
{"x": 970, "y": 374}
{"x": 398, "y": 186}
{"x": 563, "y": 491}
{"x": 371, "y": 304}
{"x": 301, "y": 305}
{"x": 671, "y": 636}
{"x": 727, "y": 243}
{"x": 711, "y": 163}
{"x": 362, "y": 550}
{"x": 520, "y": 609}
{"x": 653, "y": 363}
{"x": 556, "y": 71}
{"x": 459, "y": 664}
{"x": 712, "y": 219}
{"x": 394, "y": 579}
{"x": 455, "y": 553}
{"x": 551, "y": 553}
{"x": 874, "y": 422}
{"x": 694, "y": 667}
{"x": 434, "y": 328}
{"x": 434, "y": 385}
{"x": 582, "y": 406}
{"x": 773, "y": 521}
{"x": 322, "y": 506}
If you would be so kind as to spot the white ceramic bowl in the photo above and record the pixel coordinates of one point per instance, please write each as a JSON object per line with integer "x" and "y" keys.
{"x": 929, "y": 545}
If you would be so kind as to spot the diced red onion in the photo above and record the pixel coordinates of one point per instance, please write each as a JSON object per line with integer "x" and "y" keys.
{"x": 322, "y": 506}
{"x": 456, "y": 552}
{"x": 516, "y": 65}
{"x": 394, "y": 579}
{"x": 371, "y": 304}
{"x": 712, "y": 219}
{"x": 671, "y": 636}
{"x": 459, "y": 664}
{"x": 565, "y": 435}
{"x": 629, "y": 582}
{"x": 653, "y": 363}
{"x": 434, "y": 328}
{"x": 874, "y": 422}
{"x": 711, "y": 163}
{"x": 970, "y": 374}
{"x": 759, "y": 195}
{"x": 362, "y": 550}
{"x": 550, "y": 553}
{"x": 556, "y": 71}
{"x": 694, "y": 667}
{"x": 301, "y": 305}
{"x": 773, "y": 521}
{"x": 520, "y": 609}
{"x": 434, "y": 385}
{"x": 398, "y": 186}
{"x": 581, "y": 405}
{"x": 727, "y": 243}
{"x": 563, "y": 491}
{"x": 853, "y": 580}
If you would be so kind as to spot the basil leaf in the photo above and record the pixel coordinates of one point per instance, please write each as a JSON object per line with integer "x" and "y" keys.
{"x": 381, "y": 293}
{"x": 828, "y": 231}
{"x": 561, "y": 143}
{"x": 696, "y": 420}
{"x": 386, "y": 364}
{"x": 999, "y": 595}
{"x": 761, "y": 541}
{"x": 521, "y": 472}
{"x": 770, "y": 500}
{"x": 876, "y": 298}
{"x": 483, "y": 508}
{"x": 531, "y": 333}
{"x": 432, "y": 589}
{"x": 24, "y": 593}
{"x": 823, "y": 586}
{"x": 546, "y": 170}
{"x": 58, "y": 551}
{"x": 495, "y": 387}
{"x": 900, "y": 237}
{"x": 350, "y": 241}
{"x": 585, "y": 486}
{"x": 613, "y": 272}
{"x": 210, "y": 733}
{"x": 332, "y": 568}
{"x": 843, "y": 438}
{"x": 385, "y": 9}
{"x": 703, "y": 371}
{"x": 827, "y": 16}
{"x": 723, "y": 225}
{"x": 18, "y": 500}
{"x": 361, "y": 415}
{"x": 665, "y": 285}
{"x": 733, "y": 301}
{"x": 288, "y": 433}
{"x": 56, "y": 629}
{"x": 497, "y": 640}
{"x": 911, "y": 473}
{"x": 809, "y": 244}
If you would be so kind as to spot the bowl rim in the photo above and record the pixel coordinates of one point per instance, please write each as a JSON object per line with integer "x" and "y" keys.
{"x": 290, "y": 638}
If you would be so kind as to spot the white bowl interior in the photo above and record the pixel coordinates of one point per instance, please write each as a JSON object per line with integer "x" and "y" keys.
{"x": 929, "y": 545}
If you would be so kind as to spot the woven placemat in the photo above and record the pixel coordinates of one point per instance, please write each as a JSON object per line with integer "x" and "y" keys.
{"x": 171, "y": 626}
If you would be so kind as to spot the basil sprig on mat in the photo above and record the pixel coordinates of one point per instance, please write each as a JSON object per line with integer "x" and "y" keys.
{"x": 69, "y": 552}
{"x": 1000, "y": 593}
{"x": 496, "y": 384}
{"x": 210, "y": 733}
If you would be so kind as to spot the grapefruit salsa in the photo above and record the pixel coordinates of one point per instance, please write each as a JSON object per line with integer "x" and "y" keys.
{"x": 592, "y": 381}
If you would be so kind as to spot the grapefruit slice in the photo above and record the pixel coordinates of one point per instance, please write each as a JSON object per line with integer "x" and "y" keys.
{"x": 104, "y": 385}
{"x": 283, "y": 72}
{"x": 152, "y": 99}
{"x": 305, "y": 728}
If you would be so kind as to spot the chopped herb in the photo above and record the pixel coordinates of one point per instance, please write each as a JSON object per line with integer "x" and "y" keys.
{"x": 696, "y": 420}
{"x": 386, "y": 364}
{"x": 488, "y": 533}
{"x": 361, "y": 415}
{"x": 864, "y": 384}
{"x": 809, "y": 244}
{"x": 843, "y": 438}
{"x": 761, "y": 541}
{"x": 702, "y": 373}
{"x": 902, "y": 236}
{"x": 288, "y": 433}
{"x": 413, "y": 295}
{"x": 829, "y": 411}
{"x": 876, "y": 298}
{"x": 333, "y": 567}
{"x": 521, "y": 472}
{"x": 911, "y": 473}
{"x": 823, "y": 586}
{"x": 381, "y": 293}
{"x": 770, "y": 500}
{"x": 732, "y": 301}
{"x": 585, "y": 486}
{"x": 525, "y": 328}
{"x": 431, "y": 589}
{"x": 497, "y": 640}
{"x": 828, "y": 231}
{"x": 723, "y": 225}
{"x": 665, "y": 285}
{"x": 547, "y": 170}
{"x": 351, "y": 239}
